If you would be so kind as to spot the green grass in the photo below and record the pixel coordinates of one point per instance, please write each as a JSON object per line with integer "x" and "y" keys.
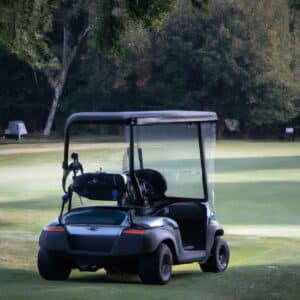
{"x": 257, "y": 202}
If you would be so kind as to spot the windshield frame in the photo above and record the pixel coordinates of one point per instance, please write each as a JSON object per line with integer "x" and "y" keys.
{"x": 131, "y": 124}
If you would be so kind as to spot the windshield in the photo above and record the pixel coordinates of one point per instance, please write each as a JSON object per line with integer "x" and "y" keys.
{"x": 173, "y": 150}
{"x": 100, "y": 147}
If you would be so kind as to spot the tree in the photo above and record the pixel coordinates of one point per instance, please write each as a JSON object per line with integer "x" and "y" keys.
{"x": 76, "y": 27}
{"x": 295, "y": 33}
{"x": 21, "y": 93}
{"x": 109, "y": 19}
{"x": 25, "y": 27}
{"x": 235, "y": 60}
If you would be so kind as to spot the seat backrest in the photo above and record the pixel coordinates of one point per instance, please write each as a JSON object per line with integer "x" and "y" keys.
{"x": 155, "y": 179}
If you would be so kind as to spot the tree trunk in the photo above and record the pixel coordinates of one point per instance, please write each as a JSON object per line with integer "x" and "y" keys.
{"x": 57, "y": 94}
{"x": 67, "y": 59}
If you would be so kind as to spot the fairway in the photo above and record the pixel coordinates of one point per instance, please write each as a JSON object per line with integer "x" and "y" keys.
{"x": 257, "y": 201}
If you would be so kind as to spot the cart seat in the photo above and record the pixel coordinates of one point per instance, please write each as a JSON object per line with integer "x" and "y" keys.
{"x": 155, "y": 180}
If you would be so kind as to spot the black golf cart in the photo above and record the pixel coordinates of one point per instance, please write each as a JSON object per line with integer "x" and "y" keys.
{"x": 159, "y": 187}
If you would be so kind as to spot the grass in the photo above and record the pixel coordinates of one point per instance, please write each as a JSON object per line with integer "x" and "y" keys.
{"x": 257, "y": 202}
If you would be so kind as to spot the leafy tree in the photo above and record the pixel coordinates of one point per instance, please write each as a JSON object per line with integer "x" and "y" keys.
{"x": 235, "y": 60}
{"x": 295, "y": 34}
{"x": 109, "y": 19}
{"x": 240, "y": 59}
{"x": 274, "y": 88}
{"x": 24, "y": 25}
{"x": 73, "y": 20}
{"x": 22, "y": 94}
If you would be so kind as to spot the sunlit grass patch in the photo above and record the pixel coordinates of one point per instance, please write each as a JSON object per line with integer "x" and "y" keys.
{"x": 257, "y": 201}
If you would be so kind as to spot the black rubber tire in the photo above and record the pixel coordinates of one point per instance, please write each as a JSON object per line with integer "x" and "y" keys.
{"x": 51, "y": 267}
{"x": 157, "y": 267}
{"x": 219, "y": 258}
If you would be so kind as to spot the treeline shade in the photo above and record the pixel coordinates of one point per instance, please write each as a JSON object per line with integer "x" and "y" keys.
{"x": 75, "y": 20}
{"x": 239, "y": 58}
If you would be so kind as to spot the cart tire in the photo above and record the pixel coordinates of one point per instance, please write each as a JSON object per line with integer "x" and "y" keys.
{"x": 157, "y": 267}
{"x": 219, "y": 259}
{"x": 51, "y": 267}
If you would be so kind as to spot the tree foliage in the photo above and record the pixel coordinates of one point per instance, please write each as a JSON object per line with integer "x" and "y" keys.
{"x": 115, "y": 18}
{"x": 24, "y": 26}
{"x": 238, "y": 58}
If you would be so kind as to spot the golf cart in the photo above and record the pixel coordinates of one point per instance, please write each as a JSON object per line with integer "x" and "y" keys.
{"x": 160, "y": 210}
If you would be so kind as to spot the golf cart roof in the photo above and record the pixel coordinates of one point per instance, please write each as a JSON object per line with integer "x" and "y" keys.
{"x": 142, "y": 117}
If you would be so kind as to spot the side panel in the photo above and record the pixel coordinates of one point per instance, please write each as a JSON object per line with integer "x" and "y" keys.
{"x": 140, "y": 245}
{"x": 213, "y": 229}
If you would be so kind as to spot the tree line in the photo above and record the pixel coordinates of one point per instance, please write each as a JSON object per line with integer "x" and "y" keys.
{"x": 238, "y": 58}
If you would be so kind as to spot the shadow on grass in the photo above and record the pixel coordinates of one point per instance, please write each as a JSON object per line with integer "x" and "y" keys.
{"x": 234, "y": 164}
{"x": 7, "y": 224}
{"x": 255, "y": 272}
{"x": 240, "y": 282}
{"x": 41, "y": 203}
{"x": 264, "y": 202}
{"x": 130, "y": 278}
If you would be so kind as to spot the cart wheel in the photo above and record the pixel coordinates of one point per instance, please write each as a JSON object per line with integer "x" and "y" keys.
{"x": 51, "y": 267}
{"x": 219, "y": 259}
{"x": 157, "y": 267}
